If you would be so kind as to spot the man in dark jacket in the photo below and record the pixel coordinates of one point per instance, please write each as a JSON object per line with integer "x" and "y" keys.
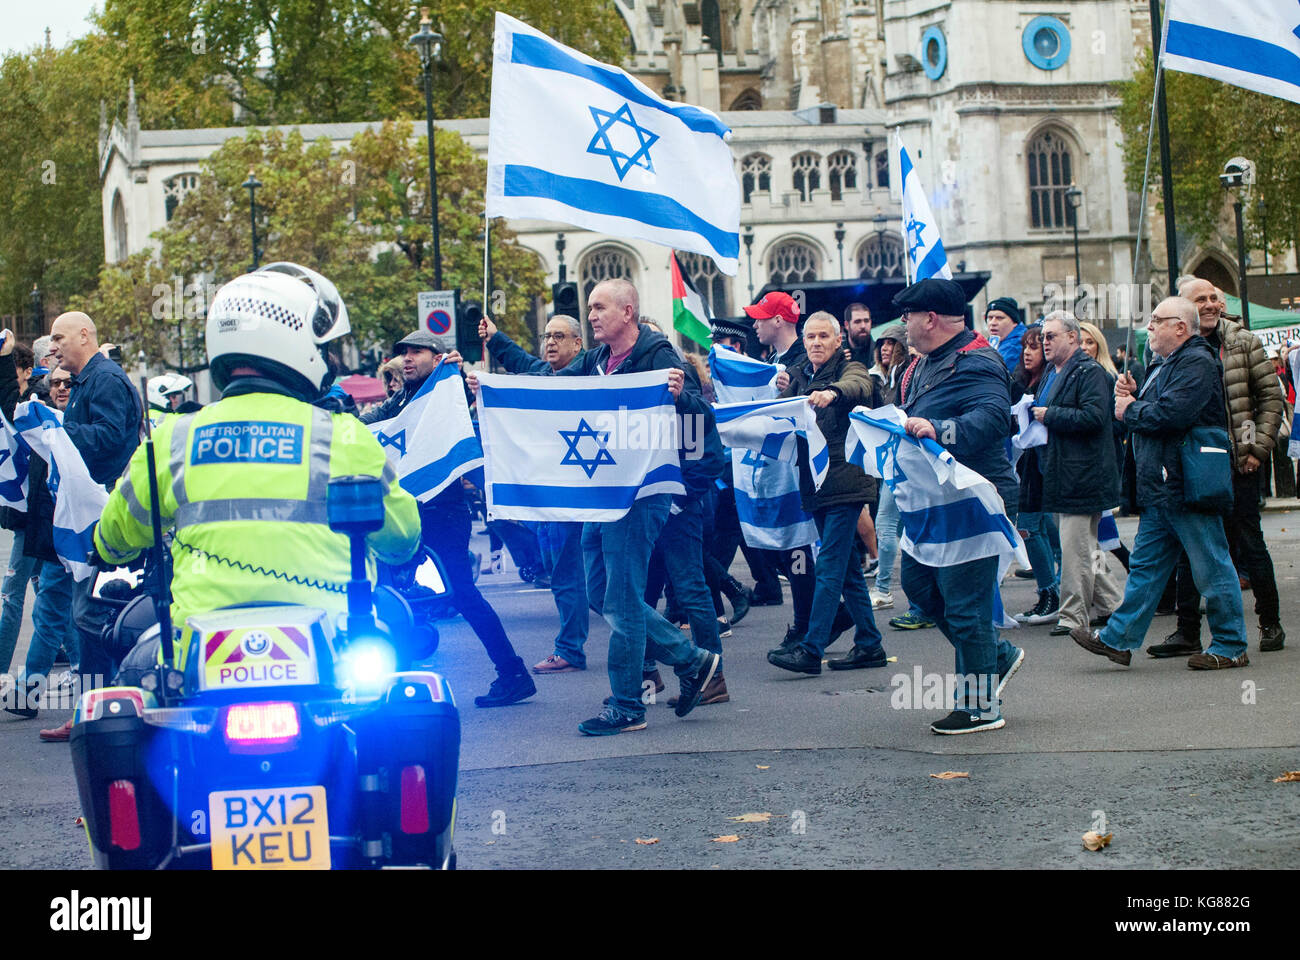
{"x": 445, "y": 528}
{"x": 1080, "y": 479}
{"x": 958, "y": 394}
{"x": 834, "y": 386}
{"x": 1183, "y": 391}
{"x": 1005, "y": 322}
{"x": 617, "y": 554}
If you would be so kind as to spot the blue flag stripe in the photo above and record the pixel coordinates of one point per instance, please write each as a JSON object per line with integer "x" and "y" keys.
{"x": 587, "y": 497}
{"x": 959, "y": 520}
{"x": 783, "y": 511}
{"x": 1232, "y": 50}
{"x": 433, "y": 474}
{"x": 933, "y": 263}
{"x": 533, "y": 51}
{"x": 653, "y": 209}
{"x": 735, "y": 373}
{"x": 523, "y": 398}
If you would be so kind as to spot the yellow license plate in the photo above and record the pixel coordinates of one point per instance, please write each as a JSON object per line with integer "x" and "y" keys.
{"x": 279, "y": 829}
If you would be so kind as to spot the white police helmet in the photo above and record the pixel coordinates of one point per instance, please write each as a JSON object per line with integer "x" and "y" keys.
{"x": 164, "y": 385}
{"x": 277, "y": 319}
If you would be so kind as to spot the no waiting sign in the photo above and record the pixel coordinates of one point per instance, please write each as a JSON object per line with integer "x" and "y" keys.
{"x": 436, "y": 311}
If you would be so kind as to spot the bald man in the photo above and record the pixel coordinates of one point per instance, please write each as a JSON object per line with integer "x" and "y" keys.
{"x": 1183, "y": 390}
{"x": 103, "y": 421}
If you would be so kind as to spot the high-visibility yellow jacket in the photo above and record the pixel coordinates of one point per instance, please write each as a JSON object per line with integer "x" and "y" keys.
{"x": 243, "y": 482}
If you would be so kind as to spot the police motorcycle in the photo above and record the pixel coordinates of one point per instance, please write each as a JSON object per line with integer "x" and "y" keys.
{"x": 289, "y": 738}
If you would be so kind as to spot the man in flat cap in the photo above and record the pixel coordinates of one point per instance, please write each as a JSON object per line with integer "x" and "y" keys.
{"x": 445, "y": 529}
{"x": 958, "y": 394}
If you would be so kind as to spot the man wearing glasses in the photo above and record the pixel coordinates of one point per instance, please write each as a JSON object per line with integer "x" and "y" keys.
{"x": 560, "y": 542}
{"x": 60, "y": 382}
{"x": 1183, "y": 390}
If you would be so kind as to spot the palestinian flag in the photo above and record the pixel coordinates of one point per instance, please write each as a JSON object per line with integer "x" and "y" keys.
{"x": 690, "y": 315}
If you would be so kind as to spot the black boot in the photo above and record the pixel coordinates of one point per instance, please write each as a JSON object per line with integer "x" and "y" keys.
{"x": 511, "y": 685}
{"x": 741, "y": 598}
{"x": 792, "y": 639}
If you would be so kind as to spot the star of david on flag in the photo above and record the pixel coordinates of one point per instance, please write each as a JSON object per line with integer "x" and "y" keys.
{"x": 397, "y": 441}
{"x": 547, "y": 162}
{"x": 574, "y": 456}
{"x": 925, "y": 254}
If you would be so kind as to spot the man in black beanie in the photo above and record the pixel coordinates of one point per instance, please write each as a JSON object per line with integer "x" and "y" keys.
{"x": 1005, "y": 321}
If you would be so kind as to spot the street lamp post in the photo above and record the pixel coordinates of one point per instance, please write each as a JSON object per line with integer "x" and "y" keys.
{"x": 559, "y": 256}
{"x": 748, "y": 237}
{"x": 1262, "y": 209}
{"x": 1238, "y": 178}
{"x": 1074, "y": 197}
{"x": 839, "y": 243}
{"x": 251, "y": 185}
{"x": 881, "y": 223}
{"x": 429, "y": 45}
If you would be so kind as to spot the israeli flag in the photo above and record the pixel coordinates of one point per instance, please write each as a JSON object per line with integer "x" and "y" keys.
{"x": 14, "y": 454}
{"x": 920, "y": 232}
{"x": 575, "y": 140}
{"x": 1249, "y": 43}
{"x": 771, "y": 427}
{"x": 78, "y": 500}
{"x": 577, "y": 448}
{"x": 950, "y": 513}
{"x": 431, "y": 442}
{"x": 737, "y": 378}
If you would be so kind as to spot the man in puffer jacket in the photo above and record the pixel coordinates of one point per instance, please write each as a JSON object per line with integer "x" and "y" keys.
{"x": 1254, "y": 403}
{"x": 834, "y": 386}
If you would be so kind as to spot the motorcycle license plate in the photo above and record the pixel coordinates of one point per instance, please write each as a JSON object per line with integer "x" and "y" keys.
{"x": 279, "y": 829}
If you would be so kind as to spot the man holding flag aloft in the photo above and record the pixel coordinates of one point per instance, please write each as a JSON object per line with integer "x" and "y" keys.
{"x": 958, "y": 395}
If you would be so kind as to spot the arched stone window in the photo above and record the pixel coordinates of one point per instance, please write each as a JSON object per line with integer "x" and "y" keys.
{"x": 175, "y": 189}
{"x": 749, "y": 99}
{"x": 755, "y": 175}
{"x": 120, "y": 245}
{"x": 1051, "y": 171}
{"x": 882, "y": 169}
{"x": 880, "y": 256}
{"x": 842, "y": 173}
{"x": 605, "y": 263}
{"x": 807, "y": 174}
{"x": 793, "y": 261}
{"x": 708, "y": 279}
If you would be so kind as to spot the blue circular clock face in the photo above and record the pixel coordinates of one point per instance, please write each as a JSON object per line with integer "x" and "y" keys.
{"x": 1046, "y": 42}
{"x": 934, "y": 52}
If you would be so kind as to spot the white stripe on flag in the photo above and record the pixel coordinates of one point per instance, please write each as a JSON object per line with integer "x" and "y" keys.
{"x": 431, "y": 442}
{"x": 577, "y": 448}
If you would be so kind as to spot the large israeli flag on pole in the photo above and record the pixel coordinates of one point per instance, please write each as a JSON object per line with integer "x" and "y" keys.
{"x": 575, "y": 140}
{"x": 431, "y": 442}
{"x": 14, "y": 454}
{"x": 1250, "y": 43}
{"x": 925, "y": 254}
{"x": 78, "y": 499}
{"x": 577, "y": 448}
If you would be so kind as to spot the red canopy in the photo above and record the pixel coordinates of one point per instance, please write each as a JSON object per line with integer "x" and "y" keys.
{"x": 363, "y": 389}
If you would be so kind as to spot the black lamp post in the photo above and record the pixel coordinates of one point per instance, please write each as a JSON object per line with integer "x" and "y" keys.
{"x": 429, "y": 45}
{"x": 559, "y": 256}
{"x": 1262, "y": 209}
{"x": 748, "y": 237}
{"x": 1074, "y": 197}
{"x": 881, "y": 223}
{"x": 839, "y": 243}
{"x": 251, "y": 185}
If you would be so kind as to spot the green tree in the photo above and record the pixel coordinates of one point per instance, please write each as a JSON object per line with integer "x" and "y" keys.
{"x": 1210, "y": 122}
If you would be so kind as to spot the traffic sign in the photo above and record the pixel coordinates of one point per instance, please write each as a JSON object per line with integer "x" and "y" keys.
{"x": 436, "y": 313}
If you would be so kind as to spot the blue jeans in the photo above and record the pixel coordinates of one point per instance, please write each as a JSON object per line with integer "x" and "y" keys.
{"x": 1161, "y": 534}
{"x": 561, "y": 545}
{"x": 888, "y": 524}
{"x": 22, "y": 570}
{"x": 839, "y": 571}
{"x": 617, "y": 555}
{"x": 959, "y": 599}
{"x": 1043, "y": 544}
{"x": 52, "y": 621}
{"x": 682, "y": 547}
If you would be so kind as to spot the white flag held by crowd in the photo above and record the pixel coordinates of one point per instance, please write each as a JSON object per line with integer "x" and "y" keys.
{"x": 950, "y": 513}
{"x": 578, "y": 448}
{"x": 1249, "y": 43}
{"x": 578, "y": 141}
{"x": 920, "y": 232}
{"x": 78, "y": 499}
{"x": 431, "y": 442}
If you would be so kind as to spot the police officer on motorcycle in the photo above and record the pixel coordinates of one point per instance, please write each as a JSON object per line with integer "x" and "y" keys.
{"x": 243, "y": 481}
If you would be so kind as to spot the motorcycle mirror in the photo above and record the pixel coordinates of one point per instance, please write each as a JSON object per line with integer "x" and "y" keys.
{"x": 355, "y": 505}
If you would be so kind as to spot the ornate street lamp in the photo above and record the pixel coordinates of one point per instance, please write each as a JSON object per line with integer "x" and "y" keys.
{"x": 1238, "y": 178}
{"x": 748, "y": 237}
{"x": 251, "y": 185}
{"x": 1074, "y": 197}
{"x": 839, "y": 243}
{"x": 429, "y": 46}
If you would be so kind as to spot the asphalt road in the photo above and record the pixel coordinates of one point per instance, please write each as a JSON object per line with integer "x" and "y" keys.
{"x": 1179, "y": 765}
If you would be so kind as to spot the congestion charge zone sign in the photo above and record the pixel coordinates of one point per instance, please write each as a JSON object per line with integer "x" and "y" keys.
{"x": 437, "y": 312}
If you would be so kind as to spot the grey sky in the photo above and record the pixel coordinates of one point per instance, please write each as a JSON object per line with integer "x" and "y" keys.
{"x": 25, "y": 22}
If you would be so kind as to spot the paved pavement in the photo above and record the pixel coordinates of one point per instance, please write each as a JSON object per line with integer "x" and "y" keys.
{"x": 1179, "y": 764}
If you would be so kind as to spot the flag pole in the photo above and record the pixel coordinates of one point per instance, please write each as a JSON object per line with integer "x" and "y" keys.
{"x": 487, "y": 260}
{"x": 1159, "y": 32}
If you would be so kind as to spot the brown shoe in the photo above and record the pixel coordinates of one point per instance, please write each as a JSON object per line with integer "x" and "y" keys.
{"x": 1090, "y": 640}
{"x": 1212, "y": 661}
{"x": 58, "y": 734}
{"x": 654, "y": 675}
{"x": 555, "y": 664}
{"x": 715, "y": 691}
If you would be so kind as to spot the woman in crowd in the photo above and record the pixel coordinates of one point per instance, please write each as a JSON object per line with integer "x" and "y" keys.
{"x": 1093, "y": 342}
{"x": 1042, "y": 542}
{"x": 891, "y": 361}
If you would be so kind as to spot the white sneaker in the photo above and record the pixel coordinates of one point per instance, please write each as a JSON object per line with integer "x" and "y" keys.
{"x": 880, "y": 601}
{"x": 871, "y": 567}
